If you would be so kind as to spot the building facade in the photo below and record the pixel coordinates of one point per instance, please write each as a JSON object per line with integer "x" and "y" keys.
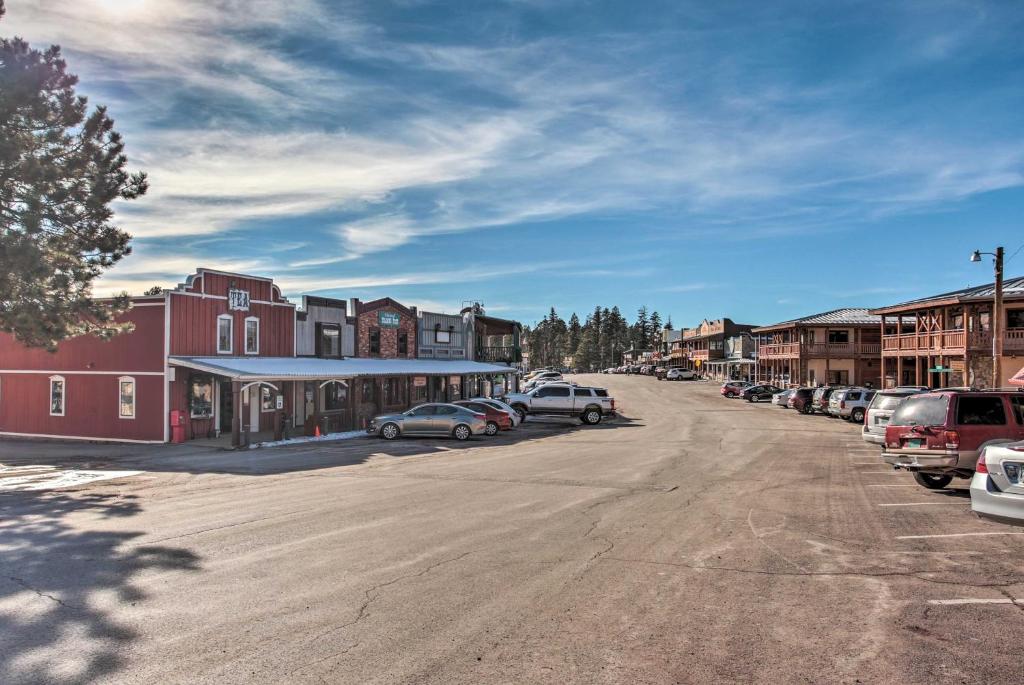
{"x": 946, "y": 340}
{"x": 838, "y": 347}
{"x": 444, "y": 336}
{"x": 705, "y": 343}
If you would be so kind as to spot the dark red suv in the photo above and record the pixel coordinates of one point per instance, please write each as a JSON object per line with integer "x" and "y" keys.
{"x": 939, "y": 435}
{"x": 802, "y": 400}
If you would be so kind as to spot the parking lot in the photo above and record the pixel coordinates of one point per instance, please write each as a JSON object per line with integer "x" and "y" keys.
{"x": 696, "y": 539}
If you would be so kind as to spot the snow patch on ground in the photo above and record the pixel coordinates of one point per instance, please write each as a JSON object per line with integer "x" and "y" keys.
{"x": 348, "y": 435}
{"x": 48, "y": 478}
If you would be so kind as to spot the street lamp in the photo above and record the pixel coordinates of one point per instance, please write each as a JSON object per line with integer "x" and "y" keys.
{"x": 997, "y": 314}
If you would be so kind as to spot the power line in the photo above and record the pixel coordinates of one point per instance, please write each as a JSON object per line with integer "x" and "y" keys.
{"x": 1015, "y": 253}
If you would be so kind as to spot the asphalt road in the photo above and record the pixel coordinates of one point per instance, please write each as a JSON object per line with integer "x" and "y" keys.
{"x": 699, "y": 540}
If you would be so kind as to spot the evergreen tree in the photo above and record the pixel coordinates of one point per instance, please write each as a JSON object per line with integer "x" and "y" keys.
{"x": 668, "y": 324}
{"x": 575, "y": 330}
{"x": 60, "y": 170}
{"x": 655, "y": 329}
{"x": 641, "y": 330}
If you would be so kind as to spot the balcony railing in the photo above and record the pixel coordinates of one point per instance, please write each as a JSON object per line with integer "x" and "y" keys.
{"x": 817, "y": 349}
{"x": 952, "y": 341}
{"x": 507, "y": 355}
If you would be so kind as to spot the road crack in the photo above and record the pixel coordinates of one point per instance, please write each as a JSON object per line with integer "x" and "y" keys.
{"x": 45, "y": 595}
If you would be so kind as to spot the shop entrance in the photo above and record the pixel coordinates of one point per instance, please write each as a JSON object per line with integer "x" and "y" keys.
{"x": 227, "y": 408}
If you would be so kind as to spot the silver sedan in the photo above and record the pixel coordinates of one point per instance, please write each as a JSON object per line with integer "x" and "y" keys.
{"x": 430, "y": 419}
{"x": 997, "y": 489}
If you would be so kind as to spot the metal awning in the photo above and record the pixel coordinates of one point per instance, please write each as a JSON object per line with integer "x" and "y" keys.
{"x": 731, "y": 361}
{"x": 314, "y": 368}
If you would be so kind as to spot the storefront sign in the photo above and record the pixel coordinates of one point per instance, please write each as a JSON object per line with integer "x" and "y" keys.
{"x": 238, "y": 299}
{"x": 279, "y": 401}
{"x": 455, "y": 380}
{"x": 388, "y": 319}
{"x": 419, "y": 381}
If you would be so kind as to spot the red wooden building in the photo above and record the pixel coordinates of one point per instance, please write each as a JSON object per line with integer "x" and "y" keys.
{"x": 124, "y": 388}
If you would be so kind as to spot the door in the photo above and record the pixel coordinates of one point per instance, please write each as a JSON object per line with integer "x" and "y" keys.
{"x": 552, "y": 398}
{"x": 419, "y": 420}
{"x": 226, "y": 408}
{"x": 443, "y": 421}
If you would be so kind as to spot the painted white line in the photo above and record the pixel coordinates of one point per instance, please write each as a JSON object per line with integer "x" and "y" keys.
{"x": 956, "y": 602}
{"x": 888, "y": 485}
{"x": 880, "y": 473}
{"x": 952, "y": 535}
{"x": 923, "y": 504}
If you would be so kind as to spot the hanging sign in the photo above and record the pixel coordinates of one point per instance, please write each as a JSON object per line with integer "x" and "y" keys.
{"x": 388, "y": 319}
{"x": 238, "y": 299}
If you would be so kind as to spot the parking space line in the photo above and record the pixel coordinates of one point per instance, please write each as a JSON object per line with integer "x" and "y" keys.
{"x": 889, "y": 485}
{"x": 971, "y": 600}
{"x": 921, "y": 504}
{"x": 955, "y": 535}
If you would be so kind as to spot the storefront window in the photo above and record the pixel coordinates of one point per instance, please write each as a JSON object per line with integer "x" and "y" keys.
{"x": 200, "y": 397}
{"x": 367, "y": 392}
{"x": 455, "y": 387}
{"x": 394, "y": 391}
{"x": 266, "y": 399}
{"x": 330, "y": 341}
{"x": 335, "y": 396}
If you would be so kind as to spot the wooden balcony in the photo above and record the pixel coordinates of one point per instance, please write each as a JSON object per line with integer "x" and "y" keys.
{"x": 950, "y": 342}
{"x": 500, "y": 355}
{"x": 818, "y": 350}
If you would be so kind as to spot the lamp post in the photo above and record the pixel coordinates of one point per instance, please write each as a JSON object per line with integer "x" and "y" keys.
{"x": 997, "y": 315}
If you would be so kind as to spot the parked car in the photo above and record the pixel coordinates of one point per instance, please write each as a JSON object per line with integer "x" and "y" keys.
{"x": 430, "y": 419}
{"x": 883, "y": 404}
{"x": 545, "y": 375}
{"x": 850, "y": 404}
{"x": 822, "y": 394}
{"x": 997, "y": 488}
{"x": 801, "y": 400}
{"x": 660, "y": 373}
{"x": 782, "y": 398}
{"x": 590, "y": 405}
{"x": 757, "y": 393}
{"x": 680, "y": 375}
{"x": 503, "y": 406}
{"x": 938, "y": 435}
{"x": 734, "y": 388}
{"x": 497, "y": 419}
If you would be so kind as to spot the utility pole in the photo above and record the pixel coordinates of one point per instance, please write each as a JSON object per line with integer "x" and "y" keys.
{"x": 997, "y": 323}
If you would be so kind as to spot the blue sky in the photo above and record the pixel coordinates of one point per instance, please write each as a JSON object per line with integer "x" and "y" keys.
{"x": 746, "y": 159}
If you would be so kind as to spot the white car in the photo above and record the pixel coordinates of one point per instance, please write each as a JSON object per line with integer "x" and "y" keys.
{"x": 501, "y": 406}
{"x": 997, "y": 489}
{"x": 680, "y": 375}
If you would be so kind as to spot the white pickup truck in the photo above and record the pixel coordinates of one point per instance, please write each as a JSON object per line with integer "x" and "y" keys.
{"x": 590, "y": 405}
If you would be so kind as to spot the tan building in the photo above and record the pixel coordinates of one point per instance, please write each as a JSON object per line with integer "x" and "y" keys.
{"x": 839, "y": 347}
{"x": 946, "y": 340}
{"x": 704, "y": 343}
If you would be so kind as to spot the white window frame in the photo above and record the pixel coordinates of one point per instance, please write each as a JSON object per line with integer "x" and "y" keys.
{"x": 63, "y": 395}
{"x": 231, "y": 333}
{"x": 245, "y": 334}
{"x": 120, "y": 380}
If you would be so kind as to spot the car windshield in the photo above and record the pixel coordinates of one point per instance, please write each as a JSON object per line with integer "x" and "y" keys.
{"x": 887, "y": 401}
{"x": 927, "y": 410}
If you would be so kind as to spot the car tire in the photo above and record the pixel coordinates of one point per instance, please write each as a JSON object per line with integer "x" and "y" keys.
{"x": 461, "y": 432}
{"x": 390, "y": 431}
{"x": 521, "y": 410}
{"x": 492, "y": 429}
{"x": 932, "y": 481}
{"x": 857, "y": 416}
{"x": 591, "y": 417}
{"x": 750, "y": 399}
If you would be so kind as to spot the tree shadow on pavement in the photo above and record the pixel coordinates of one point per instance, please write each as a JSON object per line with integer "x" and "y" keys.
{"x": 59, "y": 583}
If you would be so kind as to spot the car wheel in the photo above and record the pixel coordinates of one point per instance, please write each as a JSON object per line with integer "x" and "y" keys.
{"x": 857, "y": 416}
{"x": 389, "y": 431}
{"x": 932, "y": 481}
{"x": 591, "y": 417}
{"x": 521, "y": 411}
{"x": 492, "y": 428}
{"x": 750, "y": 399}
{"x": 461, "y": 432}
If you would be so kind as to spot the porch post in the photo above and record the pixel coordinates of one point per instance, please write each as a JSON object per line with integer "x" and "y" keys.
{"x": 278, "y": 434}
{"x": 236, "y": 413}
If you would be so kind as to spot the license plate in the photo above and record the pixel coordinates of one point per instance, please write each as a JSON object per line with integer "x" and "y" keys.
{"x": 915, "y": 442}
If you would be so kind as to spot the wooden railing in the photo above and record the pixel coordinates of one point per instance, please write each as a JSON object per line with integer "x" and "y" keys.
{"x": 951, "y": 341}
{"x": 824, "y": 349}
{"x": 510, "y": 355}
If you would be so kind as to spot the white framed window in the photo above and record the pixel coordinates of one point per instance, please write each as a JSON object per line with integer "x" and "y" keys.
{"x": 267, "y": 400}
{"x": 58, "y": 391}
{"x": 126, "y": 397}
{"x": 225, "y": 333}
{"x": 252, "y": 335}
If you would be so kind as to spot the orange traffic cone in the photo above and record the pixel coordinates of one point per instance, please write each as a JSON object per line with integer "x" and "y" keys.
{"x": 316, "y": 433}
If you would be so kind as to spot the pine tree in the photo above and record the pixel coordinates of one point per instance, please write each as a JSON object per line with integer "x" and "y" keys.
{"x": 575, "y": 330}
{"x": 655, "y": 329}
{"x": 59, "y": 172}
{"x": 641, "y": 330}
{"x": 668, "y": 324}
